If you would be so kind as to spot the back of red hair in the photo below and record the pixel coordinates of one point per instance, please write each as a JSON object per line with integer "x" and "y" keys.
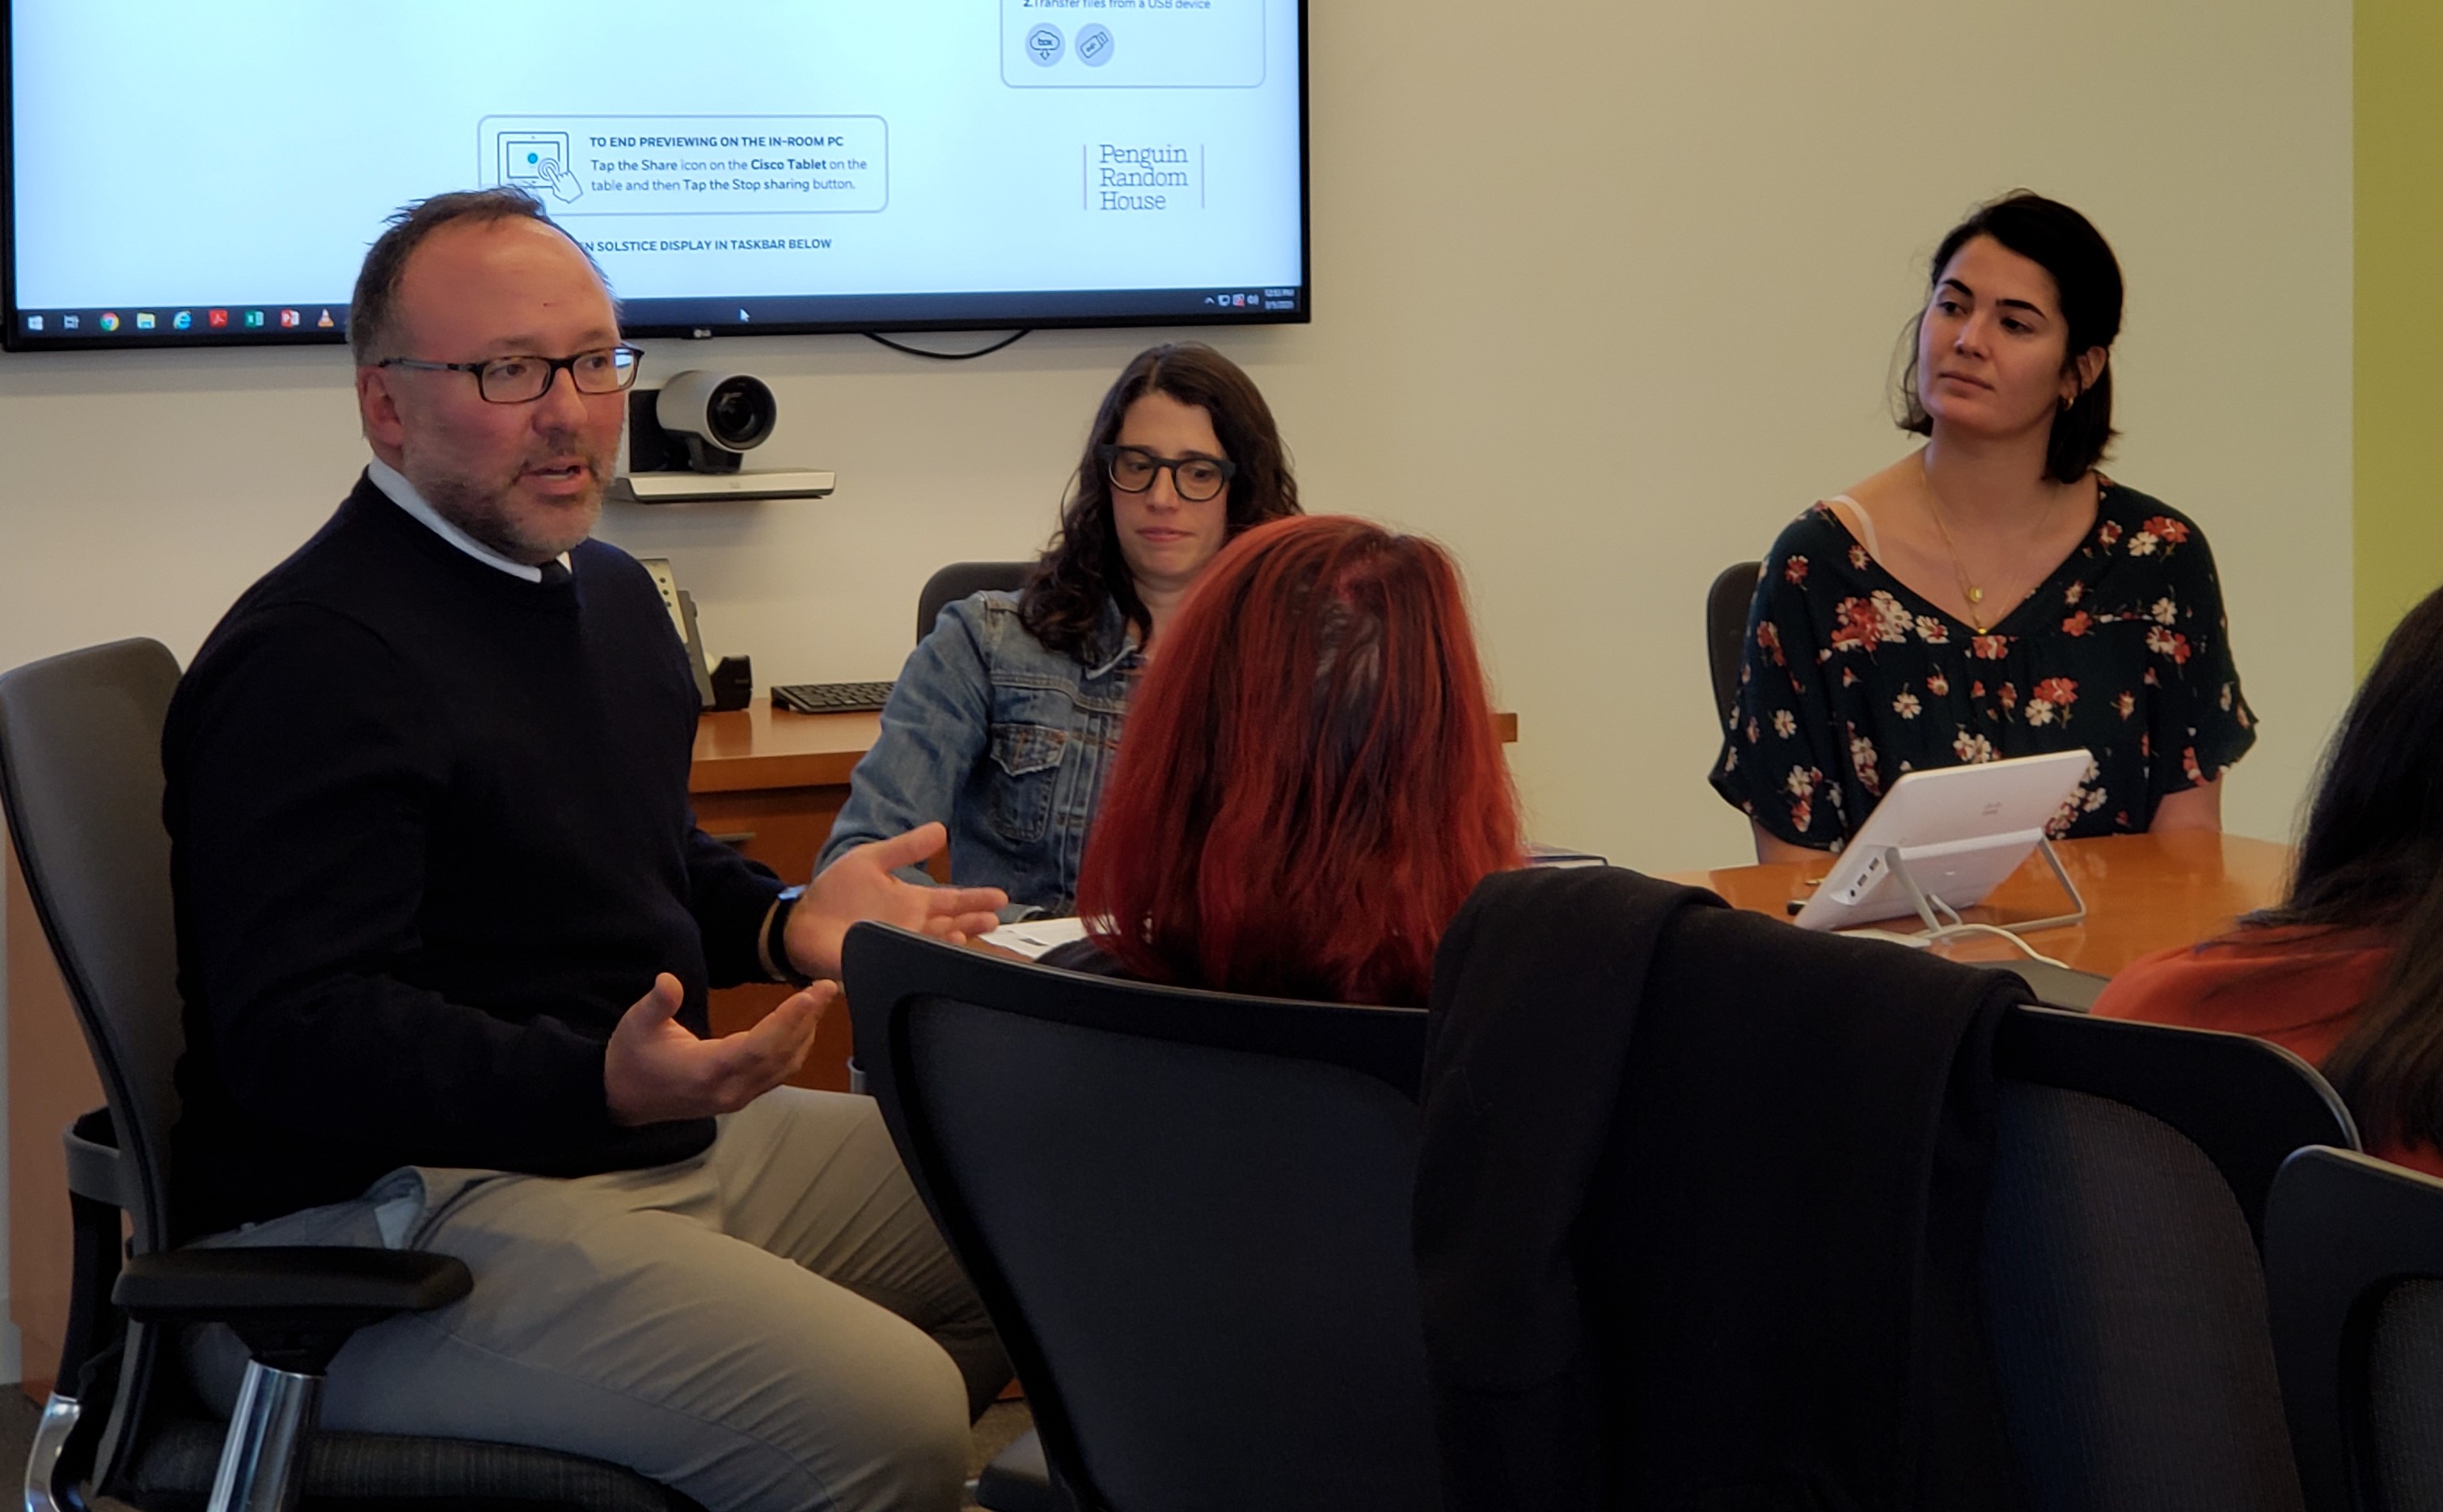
{"x": 1309, "y": 784}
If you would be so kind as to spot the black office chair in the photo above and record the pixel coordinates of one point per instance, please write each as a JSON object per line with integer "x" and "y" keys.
{"x": 81, "y": 783}
{"x": 2118, "y": 1278}
{"x": 1726, "y": 628}
{"x": 958, "y": 580}
{"x": 2353, "y": 1260}
{"x": 2123, "y": 1295}
{"x": 1187, "y": 1213}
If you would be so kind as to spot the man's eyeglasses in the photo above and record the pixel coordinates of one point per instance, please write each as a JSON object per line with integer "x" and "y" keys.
{"x": 524, "y": 379}
{"x": 1133, "y": 470}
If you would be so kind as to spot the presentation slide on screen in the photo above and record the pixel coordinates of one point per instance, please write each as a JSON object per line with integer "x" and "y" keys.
{"x": 179, "y": 157}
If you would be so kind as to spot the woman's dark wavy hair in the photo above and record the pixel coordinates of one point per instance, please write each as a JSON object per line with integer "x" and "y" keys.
{"x": 2371, "y": 857}
{"x": 1063, "y": 598}
{"x": 2066, "y": 244}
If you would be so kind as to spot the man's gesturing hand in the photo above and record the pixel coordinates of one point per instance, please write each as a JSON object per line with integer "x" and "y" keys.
{"x": 655, "y": 1070}
{"x": 859, "y": 885}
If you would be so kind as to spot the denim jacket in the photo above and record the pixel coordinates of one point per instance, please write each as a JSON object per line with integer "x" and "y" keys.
{"x": 1005, "y": 742}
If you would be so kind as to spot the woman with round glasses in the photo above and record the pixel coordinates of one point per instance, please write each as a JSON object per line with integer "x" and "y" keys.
{"x": 1005, "y": 720}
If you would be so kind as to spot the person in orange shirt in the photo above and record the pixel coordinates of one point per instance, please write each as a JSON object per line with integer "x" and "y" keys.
{"x": 2347, "y": 971}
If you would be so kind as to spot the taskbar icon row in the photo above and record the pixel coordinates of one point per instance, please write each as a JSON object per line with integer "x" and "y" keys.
{"x": 204, "y": 320}
{"x": 1255, "y": 300}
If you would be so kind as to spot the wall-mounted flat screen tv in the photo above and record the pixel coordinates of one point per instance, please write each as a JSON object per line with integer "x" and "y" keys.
{"x": 199, "y": 175}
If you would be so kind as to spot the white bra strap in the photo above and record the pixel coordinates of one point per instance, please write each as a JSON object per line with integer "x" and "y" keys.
{"x": 1861, "y": 524}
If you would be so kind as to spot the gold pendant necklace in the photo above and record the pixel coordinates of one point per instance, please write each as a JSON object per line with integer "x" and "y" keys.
{"x": 1972, "y": 591}
{"x": 1969, "y": 590}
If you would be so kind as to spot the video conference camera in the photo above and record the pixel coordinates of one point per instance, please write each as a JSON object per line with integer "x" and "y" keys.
{"x": 687, "y": 438}
{"x": 700, "y": 421}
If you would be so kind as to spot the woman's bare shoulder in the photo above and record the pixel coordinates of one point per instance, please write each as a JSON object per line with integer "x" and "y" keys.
{"x": 1896, "y": 485}
{"x": 1878, "y": 498}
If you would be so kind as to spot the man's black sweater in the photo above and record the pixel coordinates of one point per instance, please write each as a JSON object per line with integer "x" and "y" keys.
{"x": 430, "y": 839}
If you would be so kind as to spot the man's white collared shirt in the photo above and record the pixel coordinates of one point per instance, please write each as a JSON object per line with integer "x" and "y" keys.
{"x": 400, "y": 492}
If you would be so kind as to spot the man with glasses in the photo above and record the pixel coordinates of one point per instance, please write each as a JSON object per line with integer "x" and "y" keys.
{"x": 446, "y": 930}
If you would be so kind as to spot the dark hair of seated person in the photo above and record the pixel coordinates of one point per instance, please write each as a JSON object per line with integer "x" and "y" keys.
{"x": 2372, "y": 858}
{"x": 1311, "y": 784}
{"x": 1063, "y": 597}
{"x": 2086, "y": 277}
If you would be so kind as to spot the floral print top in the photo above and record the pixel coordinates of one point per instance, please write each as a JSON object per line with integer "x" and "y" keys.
{"x": 1849, "y": 679}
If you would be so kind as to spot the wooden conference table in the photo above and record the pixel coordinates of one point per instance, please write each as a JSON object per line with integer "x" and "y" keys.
{"x": 2142, "y": 892}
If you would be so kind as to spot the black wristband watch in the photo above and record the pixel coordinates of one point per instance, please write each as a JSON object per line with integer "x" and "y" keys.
{"x": 776, "y": 934}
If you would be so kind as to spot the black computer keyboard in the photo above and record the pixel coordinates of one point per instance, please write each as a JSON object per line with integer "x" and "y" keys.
{"x": 830, "y": 697}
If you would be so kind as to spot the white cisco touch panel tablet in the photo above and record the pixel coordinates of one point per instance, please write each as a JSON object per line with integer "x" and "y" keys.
{"x": 1961, "y": 830}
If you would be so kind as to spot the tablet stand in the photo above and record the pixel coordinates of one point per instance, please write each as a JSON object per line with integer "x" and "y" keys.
{"x": 1897, "y": 857}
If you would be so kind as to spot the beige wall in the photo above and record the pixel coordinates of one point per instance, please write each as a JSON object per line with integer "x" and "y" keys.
{"x": 1607, "y": 293}
{"x": 1605, "y": 297}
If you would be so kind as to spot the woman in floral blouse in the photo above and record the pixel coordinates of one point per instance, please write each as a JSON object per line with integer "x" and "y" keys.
{"x": 1991, "y": 594}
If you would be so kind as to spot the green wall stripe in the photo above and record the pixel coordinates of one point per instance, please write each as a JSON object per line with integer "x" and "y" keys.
{"x": 2398, "y": 337}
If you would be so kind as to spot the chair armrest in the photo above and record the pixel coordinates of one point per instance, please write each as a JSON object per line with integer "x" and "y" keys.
{"x": 292, "y": 1306}
{"x": 92, "y": 1148}
{"x": 306, "y": 1287}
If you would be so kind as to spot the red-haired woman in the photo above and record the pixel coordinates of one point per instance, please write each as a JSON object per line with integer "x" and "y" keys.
{"x": 1311, "y": 784}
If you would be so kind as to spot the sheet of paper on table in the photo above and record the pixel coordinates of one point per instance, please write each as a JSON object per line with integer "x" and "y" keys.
{"x": 1037, "y": 935}
{"x": 1540, "y": 854}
